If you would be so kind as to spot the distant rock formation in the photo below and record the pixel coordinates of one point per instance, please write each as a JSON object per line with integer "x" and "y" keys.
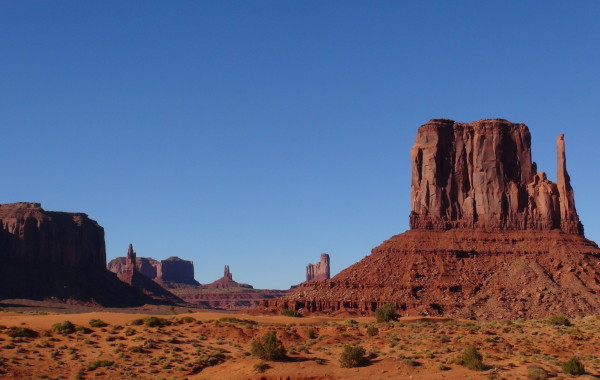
{"x": 58, "y": 255}
{"x": 224, "y": 293}
{"x": 227, "y": 281}
{"x": 491, "y": 237}
{"x": 131, "y": 275}
{"x": 318, "y": 271}
{"x": 172, "y": 269}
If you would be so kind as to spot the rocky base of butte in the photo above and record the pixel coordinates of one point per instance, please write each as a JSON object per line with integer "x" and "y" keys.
{"x": 491, "y": 237}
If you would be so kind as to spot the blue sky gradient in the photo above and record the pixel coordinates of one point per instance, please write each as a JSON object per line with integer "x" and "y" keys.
{"x": 260, "y": 134}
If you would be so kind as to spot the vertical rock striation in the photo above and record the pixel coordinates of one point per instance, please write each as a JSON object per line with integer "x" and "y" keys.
{"x": 480, "y": 175}
{"x": 318, "y": 271}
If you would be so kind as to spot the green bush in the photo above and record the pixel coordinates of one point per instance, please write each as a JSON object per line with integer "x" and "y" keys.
{"x": 83, "y": 329}
{"x": 472, "y": 359}
{"x": 188, "y": 319}
{"x": 386, "y": 313}
{"x": 268, "y": 348}
{"x": 290, "y": 313}
{"x": 372, "y": 331}
{"x": 573, "y": 367}
{"x": 261, "y": 367}
{"x": 21, "y": 332}
{"x": 558, "y": 320}
{"x": 98, "y": 323}
{"x": 99, "y": 363}
{"x": 156, "y": 322}
{"x": 137, "y": 322}
{"x": 310, "y": 333}
{"x": 64, "y": 328}
{"x": 353, "y": 356}
{"x": 350, "y": 322}
{"x": 535, "y": 372}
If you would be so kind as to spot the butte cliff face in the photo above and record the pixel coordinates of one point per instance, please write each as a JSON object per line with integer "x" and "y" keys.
{"x": 491, "y": 237}
{"x": 58, "y": 255}
{"x": 318, "y": 271}
{"x": 480, "y": 175}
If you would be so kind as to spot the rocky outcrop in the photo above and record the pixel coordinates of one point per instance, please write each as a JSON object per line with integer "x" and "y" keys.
{"x": 480, "y": 175}
{"x": 491, "y": 237}
{"x": 131, "y": 275}
{"x": 226, "y": 281}
{"x": 57, "y": 255}
{"x": 172, "y": 269}
{"x": 318, "y": 271}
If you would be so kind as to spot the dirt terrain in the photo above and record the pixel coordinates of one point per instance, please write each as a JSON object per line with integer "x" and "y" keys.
{"x": 209, "y": 345}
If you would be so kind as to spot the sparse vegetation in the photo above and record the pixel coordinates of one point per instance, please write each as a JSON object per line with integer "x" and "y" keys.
{"x": 535, "y": 372}
{"x": 472, "y": 359}
{"x": 386, "y": 313}
{"x": 353, "y": 356}
{"x": 559, "y": 320}
{"x": 98, "y": 323}
{"x": 268, "y": 348}
{"x": 372, "y": 331}
{"x": 21, "y": 332}
{"x": 156, "y": 322}
{"x": 261, "y": 367}
{"x": 573, "y": 367}
{"x": 64, "y": 327}
{"x": 310, "y": 333}
{"x": 291, "y": 313}
{"x": 99, "y": 363}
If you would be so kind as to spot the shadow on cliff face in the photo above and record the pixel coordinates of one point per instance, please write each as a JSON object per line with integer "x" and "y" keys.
{"x": 90, "y": 287}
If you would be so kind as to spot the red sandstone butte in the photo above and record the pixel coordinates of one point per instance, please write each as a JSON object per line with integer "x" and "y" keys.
{"x": 318, "y": 271}
{"x": 491, "y": 237}
{"x": 59, "y": 256}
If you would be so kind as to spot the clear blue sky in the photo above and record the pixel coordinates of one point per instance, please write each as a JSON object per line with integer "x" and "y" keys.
{"x": 260, "y": 134}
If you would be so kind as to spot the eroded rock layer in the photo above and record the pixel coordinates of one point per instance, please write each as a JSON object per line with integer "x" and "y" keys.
{"x": 490, "y": 237}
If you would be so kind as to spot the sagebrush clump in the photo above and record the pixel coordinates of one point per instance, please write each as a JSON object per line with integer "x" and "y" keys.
{"x": 353, "y": 356}
{"x": 64, "y": 327}
{"x": 386, "y": 313}
{"x": 268, "y": 348}
{"x": 98, "y": 323}
{"x": 573, "y": 367}
{"x": 472, "y": 359}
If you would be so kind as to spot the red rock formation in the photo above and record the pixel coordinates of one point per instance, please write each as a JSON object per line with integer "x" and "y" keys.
{"x": 480, "y": 175}
{"x": 318, "y": 271}
{"x": 226, "y": 281}
{"x": 133, "y": 277}
{"x": 58, "y": 255}
{"x": 491, "y": 237}
{"x": 172, "y": 269}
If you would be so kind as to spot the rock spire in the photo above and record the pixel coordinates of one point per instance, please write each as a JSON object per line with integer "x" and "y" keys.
{"x": 318, "y": 271}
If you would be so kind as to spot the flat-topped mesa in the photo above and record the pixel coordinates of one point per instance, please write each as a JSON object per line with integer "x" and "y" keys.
{"x": 318, "y": 271}
{"x": 480, "y": 175}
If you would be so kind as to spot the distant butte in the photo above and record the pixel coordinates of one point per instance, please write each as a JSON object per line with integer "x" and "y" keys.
{"x": 491, "y": 237}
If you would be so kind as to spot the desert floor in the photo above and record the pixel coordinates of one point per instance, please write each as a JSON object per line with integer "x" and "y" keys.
{"x": 210, "y": 345}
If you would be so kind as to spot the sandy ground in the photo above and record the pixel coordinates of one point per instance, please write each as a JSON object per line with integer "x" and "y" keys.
{"x": 210, "y": 345}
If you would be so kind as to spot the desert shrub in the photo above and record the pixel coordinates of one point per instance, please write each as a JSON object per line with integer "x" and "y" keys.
{"x": 98, "y": 323}
{"x": 21, "y": 332}
{"x": 386, "y": 313}
{"x": 350, "y": 322}
{"x": 99, "y": 363}
{"x": 442, "y": 367}
{"x": 353, "y": 356}
{"x": 261, "y": 367}
{"x": 238, "y": 320}
{"x": 156, "y": 322}
{"x": 372, "y": 331}
{"x": 188, "y": 319}
{"x": 290, "y": 313}
{"x": 268, "y": 347}
{"x": 558, "y": 320}
{"x": 137, "y": 322}
{"x": 472, "y": 359}
{"x": 64, "y": 327}
{"x": 129, "y": 331}
{"x": 83, "y": 329}
{"x": 535, "y": 372}
{"x": 310, "y": 333}
{"x": 573, "y": 367}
